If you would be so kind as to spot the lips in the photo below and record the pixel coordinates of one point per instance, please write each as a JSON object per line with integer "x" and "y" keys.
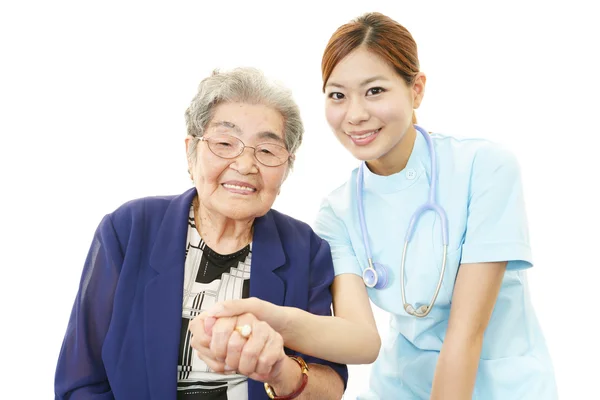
{"x": 365, "y": 137}
{"x": 239, "y": 187}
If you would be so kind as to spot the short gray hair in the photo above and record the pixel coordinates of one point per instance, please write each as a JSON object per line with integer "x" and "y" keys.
{"x": 244, "y": 85}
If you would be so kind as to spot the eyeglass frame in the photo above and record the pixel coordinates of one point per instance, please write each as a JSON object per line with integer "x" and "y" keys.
{"x": 244, "y": 146}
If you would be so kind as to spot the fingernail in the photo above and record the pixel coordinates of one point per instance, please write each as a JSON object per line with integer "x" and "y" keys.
{"x": 228, "y": 368}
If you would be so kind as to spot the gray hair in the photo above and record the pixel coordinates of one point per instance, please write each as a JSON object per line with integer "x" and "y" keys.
{"x": 244, "y": 85}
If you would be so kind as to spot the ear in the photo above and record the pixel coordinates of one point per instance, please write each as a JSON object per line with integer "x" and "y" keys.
{"x": 188, "y": 142}
{"x": 418, "y": 89}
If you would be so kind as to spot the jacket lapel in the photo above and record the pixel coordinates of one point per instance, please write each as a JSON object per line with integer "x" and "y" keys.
{"x": 163, "y": 299}
{"x": 267, "y": 256}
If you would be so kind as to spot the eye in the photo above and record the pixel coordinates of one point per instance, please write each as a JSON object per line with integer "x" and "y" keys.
{"x": 336, "y": 96}
{"x": 375, "y": 91}
{"x": 266, "y": 151}
{"x": 223, "y": 142}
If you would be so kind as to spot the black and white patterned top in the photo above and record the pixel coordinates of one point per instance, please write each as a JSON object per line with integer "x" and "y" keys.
{"x": 209, "y": 278}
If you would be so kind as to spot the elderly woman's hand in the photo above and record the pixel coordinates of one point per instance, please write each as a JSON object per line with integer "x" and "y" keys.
{"x": 201, "y": 329}
{"x": 260, "y": 356}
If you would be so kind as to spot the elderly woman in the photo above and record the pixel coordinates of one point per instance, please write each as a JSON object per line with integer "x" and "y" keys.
{"x": 157, "y": 262}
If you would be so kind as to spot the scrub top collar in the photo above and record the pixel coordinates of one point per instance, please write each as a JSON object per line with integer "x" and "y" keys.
{"x": 418, "y": 165}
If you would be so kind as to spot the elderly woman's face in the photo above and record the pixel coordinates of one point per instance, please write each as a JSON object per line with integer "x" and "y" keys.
{"x": 239, "y": 188}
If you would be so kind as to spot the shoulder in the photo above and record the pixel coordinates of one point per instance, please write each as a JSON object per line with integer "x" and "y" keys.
{"x": 140, "y": 215}
{"x": 141, "y": 209}
{"x": 475, "y": 154}
{"x": 289, "y": 226}
{"x": 341, "y": 198}
{"x": 295, "y": 233}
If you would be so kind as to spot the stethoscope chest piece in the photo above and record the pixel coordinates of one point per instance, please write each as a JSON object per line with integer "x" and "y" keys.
{"x": 375, "y": 276}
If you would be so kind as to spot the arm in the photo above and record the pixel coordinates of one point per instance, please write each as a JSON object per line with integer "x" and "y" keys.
{"x": 475, "y": 292}
{"x": 333, "y": 338}
{"x": 349, "y": 337}
{"x": 330, "y": 338}
{"x": 80, "y": 371}
{"x": 496, "y": 240}
{"x": 336, "y": 338}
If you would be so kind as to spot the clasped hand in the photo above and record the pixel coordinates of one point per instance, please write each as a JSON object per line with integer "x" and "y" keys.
{"x": 260, "y": 356}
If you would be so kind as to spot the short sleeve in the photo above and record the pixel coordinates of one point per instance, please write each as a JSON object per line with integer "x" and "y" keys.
{"x": 331, "y": 228}
{"x": 496, "y": 220}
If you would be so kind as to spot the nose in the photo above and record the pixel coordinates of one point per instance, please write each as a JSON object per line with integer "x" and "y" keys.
{"x": 357, "y": 112}
{"x": 245, "y": 163}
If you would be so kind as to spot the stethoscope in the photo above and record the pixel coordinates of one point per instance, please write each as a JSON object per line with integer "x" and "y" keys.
{"x": 375, "y": 276}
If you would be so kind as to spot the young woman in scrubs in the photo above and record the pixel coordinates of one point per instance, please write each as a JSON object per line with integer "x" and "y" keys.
{"x": 481, "y": 338}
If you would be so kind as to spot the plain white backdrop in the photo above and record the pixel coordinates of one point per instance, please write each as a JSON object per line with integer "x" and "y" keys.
{"x": 92, "y": 96}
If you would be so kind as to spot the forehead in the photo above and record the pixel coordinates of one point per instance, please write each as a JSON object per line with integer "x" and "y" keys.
{"x": 360, "y": 65}
{"x": 247, "y": 119}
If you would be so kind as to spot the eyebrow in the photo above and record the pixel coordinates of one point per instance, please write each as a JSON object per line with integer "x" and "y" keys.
{"x": 363, "y": 83}
{"x": 261, "y": 135}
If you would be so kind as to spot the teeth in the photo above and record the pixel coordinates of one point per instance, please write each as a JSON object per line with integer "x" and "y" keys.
{"x": 366, "y": 135}
{"x": 246, "y": 188}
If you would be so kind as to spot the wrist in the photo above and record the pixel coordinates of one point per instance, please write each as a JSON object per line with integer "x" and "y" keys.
{"x": 288, "y": 378}
{"x": 291, "y": 380}
{"x": 285, "y": 321}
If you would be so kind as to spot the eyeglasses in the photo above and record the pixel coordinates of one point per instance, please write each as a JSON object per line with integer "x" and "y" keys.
{"x": 227, "y": 146}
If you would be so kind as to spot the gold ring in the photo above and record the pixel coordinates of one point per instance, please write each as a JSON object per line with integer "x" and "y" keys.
{"x": 244, "y": 330}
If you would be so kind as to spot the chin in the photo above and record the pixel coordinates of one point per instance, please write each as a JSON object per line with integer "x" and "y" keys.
{"x": 241, "y": 214}
{"x": 366, "y": 153}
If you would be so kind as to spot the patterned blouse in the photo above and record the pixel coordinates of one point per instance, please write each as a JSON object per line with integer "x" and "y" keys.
{"x": 209, "y": 278}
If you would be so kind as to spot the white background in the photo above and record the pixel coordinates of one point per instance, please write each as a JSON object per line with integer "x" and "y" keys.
{"x": 92, "y": 96}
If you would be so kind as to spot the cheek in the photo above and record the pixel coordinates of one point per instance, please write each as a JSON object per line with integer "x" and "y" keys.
{"x": 208, "y": 171}
{"x": 396, "y": 111}
{"x": 335, "y": 116}
{"x": 272, "y": 180}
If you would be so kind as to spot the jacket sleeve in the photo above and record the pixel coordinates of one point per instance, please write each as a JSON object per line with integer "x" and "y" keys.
{"x": 319, "y": 296}
{"x": 80, "y": 372}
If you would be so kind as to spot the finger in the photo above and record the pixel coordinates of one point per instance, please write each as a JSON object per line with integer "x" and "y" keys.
{"x": 232, "y": 308}
{"x": 234, "y": 351}
{"x": 199, "y": 337}
{"x": 205, "y": 355}
{"x": 271, "y": 354}
{"x": 221, "y": 333}
{"x": 254, "y": 347}
{"x": 209, "y": 322}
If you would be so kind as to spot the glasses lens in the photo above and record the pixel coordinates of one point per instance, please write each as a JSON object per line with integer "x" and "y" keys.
{"x": 271, "y": 155}
{"x": 225, "y": 146}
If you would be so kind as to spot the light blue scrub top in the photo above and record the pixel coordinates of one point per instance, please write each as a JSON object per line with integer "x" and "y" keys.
{"x": 479, "y": 186}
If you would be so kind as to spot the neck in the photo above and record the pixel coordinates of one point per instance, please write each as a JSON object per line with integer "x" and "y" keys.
{"x": 223, "y": 235}
{"x": 396, "y": 159}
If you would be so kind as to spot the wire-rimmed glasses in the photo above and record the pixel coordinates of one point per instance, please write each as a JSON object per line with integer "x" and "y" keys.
{"x": 227, "y": 146}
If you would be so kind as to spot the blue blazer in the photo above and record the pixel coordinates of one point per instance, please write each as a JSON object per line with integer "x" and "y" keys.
{"x": 123, "y": 335}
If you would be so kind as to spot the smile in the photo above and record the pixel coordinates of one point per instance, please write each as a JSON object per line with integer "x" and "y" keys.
{"x": 365, "y": 135}
{"x": 237, "y": 188}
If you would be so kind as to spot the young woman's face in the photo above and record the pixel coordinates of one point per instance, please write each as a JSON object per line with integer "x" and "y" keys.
{"x": 368, "y": 105}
